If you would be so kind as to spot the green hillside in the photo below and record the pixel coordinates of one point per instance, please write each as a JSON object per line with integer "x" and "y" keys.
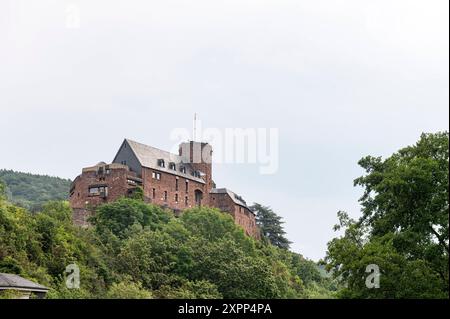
{"x": 397, "y": 249}
{"x": 32, "y": 191}
{"x": 138, "y": 250}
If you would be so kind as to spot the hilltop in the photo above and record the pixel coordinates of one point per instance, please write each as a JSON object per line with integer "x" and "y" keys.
{"x": 31, "y": 191}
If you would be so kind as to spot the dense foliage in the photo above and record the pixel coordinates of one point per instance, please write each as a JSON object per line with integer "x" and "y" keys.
{"x": 271, "y": 226}
{"x": 32, "y": 191}
{"x": 136, "y": 250}
{"x": 404, "y": 226}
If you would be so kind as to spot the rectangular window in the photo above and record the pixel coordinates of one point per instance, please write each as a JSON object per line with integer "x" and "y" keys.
{"x": 186, "y": 201}
{"x": 94, "y": 191}
{"x": 165, "y": 196}
{"x": 154, "y": 193}
{"x": 98, "y": 190}
{"x": 176, "y": 185}
{"x": 187, "y": 186}
{"x": 156, "y": 176}
{"x": 103, "y": 191}
{"x": 176, "y": 198}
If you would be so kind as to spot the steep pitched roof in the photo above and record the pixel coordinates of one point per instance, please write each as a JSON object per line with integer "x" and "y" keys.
{"x": 234, "y": 197}
{"x": 149, "y": 156}
{"x": 11, "y": 281}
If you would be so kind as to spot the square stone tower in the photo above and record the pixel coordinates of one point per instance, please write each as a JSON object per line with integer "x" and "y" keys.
{"x": 199, "y": 155}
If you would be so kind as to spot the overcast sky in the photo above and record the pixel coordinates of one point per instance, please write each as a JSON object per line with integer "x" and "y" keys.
{"x": 340, "y": 79}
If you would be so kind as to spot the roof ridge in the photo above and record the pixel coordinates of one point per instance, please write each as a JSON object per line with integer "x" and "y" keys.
{"x": 148, "y": 156}
{"x": 146, "y": 145}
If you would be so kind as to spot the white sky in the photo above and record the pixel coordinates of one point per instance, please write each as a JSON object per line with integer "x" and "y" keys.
{"x": 340, "y": 79}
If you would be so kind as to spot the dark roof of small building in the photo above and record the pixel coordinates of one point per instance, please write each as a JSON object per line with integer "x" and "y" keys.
{"x": 149, "y": 156}
{"x": 11, "y": 281}
{"x": 234, "y": 197}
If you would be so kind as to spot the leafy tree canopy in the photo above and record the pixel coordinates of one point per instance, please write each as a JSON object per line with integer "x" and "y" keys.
{"x": 136, "y": 250}
{"x": 404, "y": 226}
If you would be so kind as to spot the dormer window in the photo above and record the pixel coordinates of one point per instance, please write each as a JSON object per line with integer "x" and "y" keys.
{"x": 196, "y": 174}
{"x": 161, "y": 163}
{"x": 172, "y": 166}
{"x": 183, "y": 169}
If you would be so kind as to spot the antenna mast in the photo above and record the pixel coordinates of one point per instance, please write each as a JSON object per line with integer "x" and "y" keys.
{"x": 194, "y": 137}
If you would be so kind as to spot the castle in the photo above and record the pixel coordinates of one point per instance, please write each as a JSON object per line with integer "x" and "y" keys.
{"x": 174, "y": 181}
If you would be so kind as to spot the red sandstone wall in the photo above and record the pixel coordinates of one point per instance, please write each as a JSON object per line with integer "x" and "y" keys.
{"x": 167, "y": 183}
{"x": 242, "y": 216}
{"x": 82, "y": 202}
{"x": 199, "y": 156}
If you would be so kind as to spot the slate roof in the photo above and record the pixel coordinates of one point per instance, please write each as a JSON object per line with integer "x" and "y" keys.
{"x": 11, "y": 281}
{"x": 234, "y": 197}
{"x": 148, "y": 156}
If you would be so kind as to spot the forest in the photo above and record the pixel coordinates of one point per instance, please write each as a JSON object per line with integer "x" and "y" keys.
{"x": 31, "y": 191}
{"x": 139, "y": 250}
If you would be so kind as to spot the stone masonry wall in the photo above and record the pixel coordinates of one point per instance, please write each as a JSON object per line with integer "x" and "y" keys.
{"x": 242, "y": 215}
{"x": 170, "y": 190}
{"x": 119, "y": 182}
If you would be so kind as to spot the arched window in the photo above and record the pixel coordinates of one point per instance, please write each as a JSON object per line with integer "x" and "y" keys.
{"x": 198, "y": 197}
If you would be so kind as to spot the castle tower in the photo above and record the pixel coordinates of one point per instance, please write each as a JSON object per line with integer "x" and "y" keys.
{"x": 199, "y": 155}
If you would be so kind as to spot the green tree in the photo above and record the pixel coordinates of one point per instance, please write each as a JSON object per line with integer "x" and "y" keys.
{"x": 271, "y": 226}
{"x": 121, "y": 216}
{"x": 128, "y": 289}
{"x": 305, "y": 269}
{"x": 153, "y": 258}
{"x": 404, "y": 226}
{"x": 2, "y": 190}
{"x": 185, "y": 289}
{"x": 40, "y": 247}
{"x": 235, "y": 273}
{"x": 136, "y": 250}
{"x": 211, "y": 224}
{"x": 138, "y": 193}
